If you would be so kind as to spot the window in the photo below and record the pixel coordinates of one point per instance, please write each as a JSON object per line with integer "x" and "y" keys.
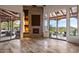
{"x": 73, "y": 21}
{"x": 62, "y": 28}
{"x": 73, "y": 26}
{"x": 53, "y": 28}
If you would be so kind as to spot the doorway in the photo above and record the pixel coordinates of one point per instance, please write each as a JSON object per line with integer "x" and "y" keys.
{"x": 53, "y": 28}
{"x": 9, "y": 25}
{"x": 57, "y": 28}
{"x": 9, "y": 30}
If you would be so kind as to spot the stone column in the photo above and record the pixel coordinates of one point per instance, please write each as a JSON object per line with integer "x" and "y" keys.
{"x": 67, "y": 23}
{"x": 12, "y": 26}
{"x": 78, "y": 20}
{"x": 8, "y": 24}
{"x": 21, "y": 25}
{"x": 46, "y": 28}
{"x": 0, "y": 28}
{"x": 57, "y": 27}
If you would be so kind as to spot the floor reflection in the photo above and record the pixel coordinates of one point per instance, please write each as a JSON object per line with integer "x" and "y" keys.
{"x": 38, "y": 45}
{"x": 12, "y": 46}
{"x": 48, "y": 46}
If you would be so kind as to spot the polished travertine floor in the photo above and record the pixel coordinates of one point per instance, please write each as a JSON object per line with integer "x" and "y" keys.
{"x": 12, "y": 46}
{"x": 38, "y": 45}
{"x": 48, "y": 46}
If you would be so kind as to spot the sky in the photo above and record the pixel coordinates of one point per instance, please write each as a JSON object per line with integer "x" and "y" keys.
{"x": 73, "y": 22}
{"x": 62, "y": 22}
{"x": 18, "y": 21}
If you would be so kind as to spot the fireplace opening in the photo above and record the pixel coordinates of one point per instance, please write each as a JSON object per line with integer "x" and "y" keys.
{"x": 35, "y": 30}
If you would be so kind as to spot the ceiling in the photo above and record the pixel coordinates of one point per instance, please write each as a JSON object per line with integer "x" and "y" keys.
{"x": 7, "y": 14}
{"x": 62, "y": 12}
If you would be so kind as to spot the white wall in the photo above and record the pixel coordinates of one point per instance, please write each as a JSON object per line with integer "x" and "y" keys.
{"x": 52, "y": 8}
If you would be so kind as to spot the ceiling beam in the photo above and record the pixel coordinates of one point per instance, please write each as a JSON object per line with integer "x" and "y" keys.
{"x": 7, "y": 14}
{"x": 62, "y": 12}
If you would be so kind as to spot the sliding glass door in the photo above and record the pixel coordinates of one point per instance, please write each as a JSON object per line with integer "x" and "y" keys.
{"x": 9, "y": 30}
{"x": 53, "y": 28}
{"x": 5, "y": 30}
{"x": 61, "y": 29}
{"x": 73, "y": 21}
{"x": 16, "y": 29}
{"x": 57, "y": 29}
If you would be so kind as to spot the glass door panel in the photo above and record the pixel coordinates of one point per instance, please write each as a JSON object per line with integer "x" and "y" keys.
{"x": 53, "y": 28}
{"x": 5, "y": 31}
{"x": 12, "y": 30}
{"x": 73, "y": 27}
{"x": 16, "y": 29}
{"x": 9, "y": 30}
{"x": 73, "y": 21}
{"x": 61, "y": 29}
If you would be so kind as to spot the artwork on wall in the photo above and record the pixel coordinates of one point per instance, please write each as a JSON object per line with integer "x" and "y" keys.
{"x": 26, "y": 26}
{"x": 35, "y": 20}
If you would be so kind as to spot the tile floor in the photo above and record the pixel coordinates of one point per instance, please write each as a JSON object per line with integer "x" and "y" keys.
{"x": 12, "y": 46}
{"x": 38, "y": 45}
{"x": 48, "y": 46}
